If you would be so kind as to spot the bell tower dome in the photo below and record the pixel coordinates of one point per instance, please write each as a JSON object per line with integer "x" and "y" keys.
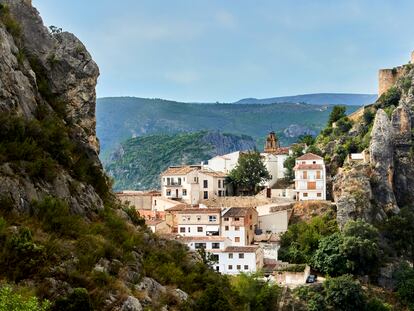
{"x": 272, "y": 143}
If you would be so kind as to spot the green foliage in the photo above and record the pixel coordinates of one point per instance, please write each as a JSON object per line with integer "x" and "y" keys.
{"x": 20, "y": 256}
{"x": 343, "y": 125}
{"x": 405, "y": 285}
{"x": 338, "y": 112}
{"x": 299, "y": 243}
{"x": 11, "y": 301}
{"x": 306, "y": 139}
{"x": 344, "y": 294}
{"x": 369, "y": 116}
{"x": 78, "y": 300}
{"x": 12, "y": 26}
{"x": 289, "y": 164}
{"x": 249, "y": 172}
{"x": 328, "y": 257}
{"x": 355, "y": 250}
{"x": 375, "y": 304}
{"x": 255, "y": 293}
{"x": 406, "y": 83}
{"x": 389, "y": 98}
{"x": 399, "y": 232}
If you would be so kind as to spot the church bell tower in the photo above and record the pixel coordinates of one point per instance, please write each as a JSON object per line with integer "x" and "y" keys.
{"x": 272, "y": 144}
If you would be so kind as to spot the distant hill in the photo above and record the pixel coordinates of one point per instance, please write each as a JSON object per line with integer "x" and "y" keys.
{"x": 138, "y": 162}
{"x": 121, "y": 118}
{"x": 317, "y": 99}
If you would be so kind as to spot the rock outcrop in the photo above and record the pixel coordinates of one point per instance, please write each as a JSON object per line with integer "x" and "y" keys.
{"x": 55, "y": 74}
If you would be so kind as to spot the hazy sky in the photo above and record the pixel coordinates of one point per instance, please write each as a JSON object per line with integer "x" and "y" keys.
{"x": 224, "y": 50}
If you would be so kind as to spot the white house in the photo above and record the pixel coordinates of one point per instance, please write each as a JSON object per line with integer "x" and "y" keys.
{"x": 238, "y": 224}
{"x": 192, "y": 183}
{"x": 310, "y": 178}
{"x": 236, "y": 259}
{"x": 199, "y": 221}
{"x": 224, "y": 163}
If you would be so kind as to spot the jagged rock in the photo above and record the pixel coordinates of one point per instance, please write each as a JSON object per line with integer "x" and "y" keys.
{"x": 131, "y": 304}
{"x": 180, "y": 295}
{"x": 382, "y": 160}
{"x": 352, "y": 194}
{"x": 151, "y": 287}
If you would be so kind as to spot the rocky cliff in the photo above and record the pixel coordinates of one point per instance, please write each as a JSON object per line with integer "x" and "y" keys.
{"x": 45, "y": 75}
{"x": 377, "y": 188}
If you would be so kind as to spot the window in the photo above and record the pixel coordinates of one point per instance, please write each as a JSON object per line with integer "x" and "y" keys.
{"x": 241, "y": 255}
{"x": 319, "y": 194}
{"x": 205, "y": 195}
{"x": 189, "y": 229}
{"x": 230, "y": 267}
{"x": 230, "y": 255}
{"x": 226, "y": 219}
{"x": 168, "y": 181}
{"x": 246, "y": 267}
{"x": 212, "y": 218}
{"x": 303, "y": 162}
{"x": 184, "y": 191}
{"x": 237, "y": 239}
{"x": 220, "y": 193}
{"x": 251, "y": 216}
{"x": 311, "y": 185}
{"x": 251, "y": 227}
{"x": 155, "y": 202}
{"x": 200, "y": 245}
{"x": 318, "y": 174}
{"x": 199, "y": 229}
{"x": 219, "y": 183}
{"x": 182, "y": 229}
{"x": 198, "y": 218}
{"x": 215, "y": 258}
{"x": 196, "y": 179}
{"x": 305, "y": 195}
{"x": 184, "y": 218}
{"x": 168, "y": 192}
{"x": 215, "y": 245}
{"x": 238, "y": 267}
{"x": 179, "y": 180}
{"x": 205, "y": 183}
{"x": 305, "y": 175}
{"x": 314, "y": 162}
{"x": 236, "y": 218}
{"x": 237, "y": 228}
{"x": 226, "y": 228}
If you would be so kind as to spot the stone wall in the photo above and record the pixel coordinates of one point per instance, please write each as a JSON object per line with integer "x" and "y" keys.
{"x": 387, "y": 78}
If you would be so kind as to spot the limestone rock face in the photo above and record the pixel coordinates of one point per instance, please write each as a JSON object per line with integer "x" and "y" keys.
{"x": 382, "y": 160}
{"x": 54, "y": 72}
{"x": 131, "y": 304}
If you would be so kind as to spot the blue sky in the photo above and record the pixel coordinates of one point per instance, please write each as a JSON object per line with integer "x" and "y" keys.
{"x": 216, "y": 50}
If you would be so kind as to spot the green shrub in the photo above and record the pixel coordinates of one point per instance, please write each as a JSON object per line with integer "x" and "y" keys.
{"x": 77, "y": 301}
{"x": 12, "y": 301}
{"x": 389, "y": 98}
{"x": 12, "y": 26}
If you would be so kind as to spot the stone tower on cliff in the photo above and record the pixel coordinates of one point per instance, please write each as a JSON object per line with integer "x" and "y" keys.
{"x": 272, "y": 143}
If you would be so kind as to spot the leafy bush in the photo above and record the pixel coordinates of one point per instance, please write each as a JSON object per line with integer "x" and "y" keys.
{"x": 389, "y": 98}
{"x": 343, "y": 294}
{"x": 405, "y": 285}
{"x": 12, "y": 301}
{"x": 337, "y": 113}
{"x": 77, "y": 301}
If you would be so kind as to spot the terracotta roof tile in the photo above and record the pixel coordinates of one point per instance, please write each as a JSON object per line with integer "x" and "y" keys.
{"x": 180, "y": 170}
{"x": 213, "y": 173}
{"x": 241, "y": 249}
{"x": 308, "y": 167}
{"x": 237, "y": 212}
{"x": 200, "y": 211}
{"x": 310, "y": 156}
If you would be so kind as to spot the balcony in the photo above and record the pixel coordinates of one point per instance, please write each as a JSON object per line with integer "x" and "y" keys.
{"x": 172, "y": 184}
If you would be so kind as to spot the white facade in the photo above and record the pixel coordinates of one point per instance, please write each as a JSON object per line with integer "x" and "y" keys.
{"x": 199, "y": 222}
{"x": 191, "y": 184}
{"x": 274, "y": 165}
{"x": 310, "y": 178}
{"x": 224, "y": 163}
{"x": 276, "y": 222}
{"x": 236, "y": 259}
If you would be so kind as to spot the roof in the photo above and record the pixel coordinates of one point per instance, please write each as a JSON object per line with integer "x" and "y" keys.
{"x": 308, "y": 167}
{"x": 180, "y": 170}
{"x": 241, "y": 249}
{"x": 201, "y": 238}
{"x": 310, "y": 156}
{"x": 178, "y": 207}
{"x": 282, "y": 150}
{"x": 199, "y": 211}
{"x": 237, "y": 212}
{"x": 213, "y": 173}
{"x": 137, "y": 193}
{"x": 153, "y": 222}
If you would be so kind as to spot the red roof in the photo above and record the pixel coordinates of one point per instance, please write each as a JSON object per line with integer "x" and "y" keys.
{"x": 241, "y": 249}
{"x": 310, "y": 156}
{"x": 282, "y": 150}
{"x": 308, "y": 167}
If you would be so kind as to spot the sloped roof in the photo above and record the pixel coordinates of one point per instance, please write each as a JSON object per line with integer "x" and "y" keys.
{"x": 308, "y": 167}
{"x": 237, "y": 212}
{"x": 310, "y": 156}
{"x": 241, "y": 249}
{"x": 200, "y": 211}
{"x": 213, "y": 173}
{"x": 180, "y": 170}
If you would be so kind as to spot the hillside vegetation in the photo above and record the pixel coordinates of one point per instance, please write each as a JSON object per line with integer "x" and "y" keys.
{"x": 130, "y": 166}
{"x": 121, "y": 118}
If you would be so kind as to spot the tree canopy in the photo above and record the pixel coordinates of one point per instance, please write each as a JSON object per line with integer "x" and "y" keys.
{"x": 250, "y": 172}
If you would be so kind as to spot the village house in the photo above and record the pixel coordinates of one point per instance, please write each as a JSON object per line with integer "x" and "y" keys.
{"x": 192, "y": 183}
{"x": 199, "y": 222}
{"x": 310, "y": 178}
{"x": 224, "y": 163}
{"x": 157, "y": 226}
{"x": 239, "y": 224}
{"x": 236, "y": 259}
